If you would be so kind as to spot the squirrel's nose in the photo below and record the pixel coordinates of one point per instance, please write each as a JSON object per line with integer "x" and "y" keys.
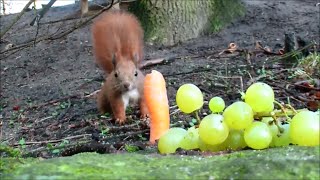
{"x": 126, "y": 86}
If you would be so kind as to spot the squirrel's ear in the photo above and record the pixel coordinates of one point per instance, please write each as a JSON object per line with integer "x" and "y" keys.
{"x": 114, "y": 60}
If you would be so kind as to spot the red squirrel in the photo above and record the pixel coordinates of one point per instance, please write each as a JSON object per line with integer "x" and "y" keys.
{"x": 118, "y": 49}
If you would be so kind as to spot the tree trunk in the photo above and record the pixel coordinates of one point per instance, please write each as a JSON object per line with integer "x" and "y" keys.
{"x": 167, "y": 22}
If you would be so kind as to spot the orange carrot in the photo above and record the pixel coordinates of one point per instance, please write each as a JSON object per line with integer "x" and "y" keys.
{"x": 155, "y": 94}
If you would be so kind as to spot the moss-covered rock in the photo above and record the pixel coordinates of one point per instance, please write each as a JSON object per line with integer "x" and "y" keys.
{"x": 278, "y": 163}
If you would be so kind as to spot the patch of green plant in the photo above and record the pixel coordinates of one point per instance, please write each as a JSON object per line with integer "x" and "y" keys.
{"x": 131, "y": 148}
{"x": 104, "y": 131}
{"x": 7, "y": 151}
{"x": 141, "y": 137}
{"x": 311, "y": 64}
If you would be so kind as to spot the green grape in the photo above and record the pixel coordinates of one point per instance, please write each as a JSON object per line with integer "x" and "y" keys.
{"x": 202, "y": 146}
{"x": 212, "y": 148}
{"x": 217, "y": 147}
{"x": 304, "y": 129}
{"x": 216, "y": 104}
{"x": 171, "y": 140}
{"x": 189, "y": 98}
{"x": 238, "y": 115}
{"x": 235, "y": 140}
{"x": 258, "y": 135}
{"x": 213, "y": 130}
{"x": 190, "y": 140}
{"x": 273, "y": 128}
{"x": 283, "y": 139}
{"x": 260, "y": 97}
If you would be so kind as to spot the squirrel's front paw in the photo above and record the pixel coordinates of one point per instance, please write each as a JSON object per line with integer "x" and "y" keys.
{"x": 120, "y": 120}
{"x": 144, "y": 116}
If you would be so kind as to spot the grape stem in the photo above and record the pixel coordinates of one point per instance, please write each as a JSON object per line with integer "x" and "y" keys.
{"x": 196, "y": 115}
{"x": 278, "y": 113}
{"x": 290, "y": 107}
{"x": 281, "y": 130}
{"x": 282, "y": 109}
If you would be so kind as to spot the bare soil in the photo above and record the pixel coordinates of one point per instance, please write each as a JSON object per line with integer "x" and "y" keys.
{"x": 43, "y": 86}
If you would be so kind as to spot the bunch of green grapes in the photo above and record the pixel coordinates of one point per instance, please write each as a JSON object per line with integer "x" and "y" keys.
{"x": 234, "y": 127}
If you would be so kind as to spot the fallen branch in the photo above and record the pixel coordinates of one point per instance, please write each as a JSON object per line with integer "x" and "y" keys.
{"x": 77, "y": 15}
{"x": 53, "y": 141}
{"x": 93, "y": 94}
{"x": 125, "y": 135}
{"x": 53, "y": 101}
{"x": 42, "y": 13}
{"x": 82, "y": 23}
{"x": 157, "y": 61}
{"x": 16, "y": 19}
{"x": 286, "y": 55}
{"x": 77, "y": 26}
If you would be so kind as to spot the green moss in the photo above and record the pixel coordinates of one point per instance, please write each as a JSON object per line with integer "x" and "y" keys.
{"x": 169, "y": 26}
{"x": 150, "y": 21}
{"x": 9, "y": 165}
{"x": 277, "y": 163}
{"x": 224, "y": 12}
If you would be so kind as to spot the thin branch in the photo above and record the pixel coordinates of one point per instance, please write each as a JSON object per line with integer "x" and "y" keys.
{"x": 53, "y": 141}
{"x": 126, "y": 135}
{"x": 77, "y": 26}
{"x": 157, "y": 61}
{"x": 54, "y": 101}
{"x": 42, "y": 13}
{"x": 16, "y": 19}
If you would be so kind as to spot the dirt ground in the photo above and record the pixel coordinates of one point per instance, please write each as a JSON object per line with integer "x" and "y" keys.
{"x": 43, "y": 87}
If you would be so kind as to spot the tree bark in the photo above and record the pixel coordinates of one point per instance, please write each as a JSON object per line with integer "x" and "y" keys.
{"x": 168, "y": 22}
{"x": 84, "y": 5}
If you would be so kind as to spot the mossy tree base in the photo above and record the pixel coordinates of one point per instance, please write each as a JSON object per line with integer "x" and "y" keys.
{"x": 291, "y": 162}
{"x": 168, "y": 22}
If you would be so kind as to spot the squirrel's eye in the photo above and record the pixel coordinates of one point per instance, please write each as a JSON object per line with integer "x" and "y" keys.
{"x": 136, "y": 73}
{"x": 115, "y": 75}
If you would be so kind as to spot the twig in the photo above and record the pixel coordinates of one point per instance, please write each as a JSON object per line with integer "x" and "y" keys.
{"x": 93, "y": 94}
{"x": 42, "y": 13}
{"x": 76, "y": 15}
{"x": 53, "y": 141}
{"x": 3, "y": 7}
{"x": 54, "y": 101}
{"x": 126, "y": 134}
{"x": 16, "y": 19}
{"x": 37, "y": 31}
{"x": 252, "y": 80}
{"x": 61, "y": 34}
{"x": 157, "y": 61}
{"x": 43, "y": 119}
{"x": 175, "y": 112}
{"x": 82, "y": 23}
{"x": 126, "y": 127}
{"x": 171, "y": 107}
{"x": 62, "y": 99}
{"x": 292, "y": 53}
